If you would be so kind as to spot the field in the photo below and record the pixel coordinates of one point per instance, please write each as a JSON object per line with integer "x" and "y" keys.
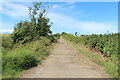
{"x": 106, "y": 45}
{"x": 5, "y": 35}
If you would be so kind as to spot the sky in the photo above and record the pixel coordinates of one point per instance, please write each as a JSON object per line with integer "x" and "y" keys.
{"x": 70, "y": 17}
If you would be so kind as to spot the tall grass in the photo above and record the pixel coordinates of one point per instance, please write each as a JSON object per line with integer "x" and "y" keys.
{"x": 23, "y": 57}
{"x": 18, "y": 60}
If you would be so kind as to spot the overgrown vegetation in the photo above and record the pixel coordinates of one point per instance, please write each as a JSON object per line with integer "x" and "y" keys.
{"x": 29, "y": 43}
{"x": 38, "y": 26}
{"x": 24, "y": 57}
{"x": 107, "y": 44}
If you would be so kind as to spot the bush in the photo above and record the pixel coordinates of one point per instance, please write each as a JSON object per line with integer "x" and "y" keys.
{"x": 18, "y": 60}
{"x": 57, "y": 36}
{"x": 24, "y": 57}
{"x": 107, "y": 43}
{"x": 51, "y": 38}
{"x": 7, "y": 43}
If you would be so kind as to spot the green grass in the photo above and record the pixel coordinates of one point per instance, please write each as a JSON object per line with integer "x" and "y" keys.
{"x": 23, "y": 57}
{"x": 110, "y": 67}
{"x": 5, "y": 36}
{"x": 18, "y": 60}
{"x": 0, "y": 65}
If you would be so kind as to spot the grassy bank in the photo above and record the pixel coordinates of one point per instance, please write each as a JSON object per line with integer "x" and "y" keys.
{"x": 110, "y": 66}
{"x": 21, "y": 57}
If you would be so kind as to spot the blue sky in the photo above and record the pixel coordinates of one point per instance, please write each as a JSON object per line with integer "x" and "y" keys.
{"x": 71, "y": 17}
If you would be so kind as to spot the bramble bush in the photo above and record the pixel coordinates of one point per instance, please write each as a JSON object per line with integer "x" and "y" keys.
{"x": 107, "y": 43}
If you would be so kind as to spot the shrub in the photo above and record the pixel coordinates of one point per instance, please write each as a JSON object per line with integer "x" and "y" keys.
{"x": 57, "y": 36}
{"x": 107, "y": 43}
{"x": 24, "y": 57}
{"x": 7, "y": 43}
{"x": 19, "y": 59}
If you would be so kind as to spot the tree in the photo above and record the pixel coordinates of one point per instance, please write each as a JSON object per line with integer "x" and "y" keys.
{"x": 75, "y": 33}
{"x": 38, "y": 25}
{"x": 63, "y": 33}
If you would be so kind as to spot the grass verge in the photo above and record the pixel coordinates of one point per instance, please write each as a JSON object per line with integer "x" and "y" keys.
{"x": 24, "y": 57}
{"x": 111, "y": 68}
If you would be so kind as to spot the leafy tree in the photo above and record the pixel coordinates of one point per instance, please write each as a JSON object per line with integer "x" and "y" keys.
{"x": 63, "y": 33}
{"x": 75, "y": 33}
{"x": 38, "y": 25}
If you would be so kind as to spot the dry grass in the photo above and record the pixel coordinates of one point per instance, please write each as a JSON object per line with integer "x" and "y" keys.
{"x": 5, "y": 35}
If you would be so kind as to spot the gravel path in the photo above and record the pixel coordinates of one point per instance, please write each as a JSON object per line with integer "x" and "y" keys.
{"x": 65, "y": 62}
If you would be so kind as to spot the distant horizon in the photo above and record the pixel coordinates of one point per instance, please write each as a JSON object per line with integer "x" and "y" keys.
{"x": 70, "y": 33}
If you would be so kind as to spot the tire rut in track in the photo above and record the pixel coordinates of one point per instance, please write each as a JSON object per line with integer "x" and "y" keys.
{"x": 65, "y": 62}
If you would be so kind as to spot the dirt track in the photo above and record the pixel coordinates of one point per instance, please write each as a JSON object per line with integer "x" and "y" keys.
{"x": 66, "y": 62}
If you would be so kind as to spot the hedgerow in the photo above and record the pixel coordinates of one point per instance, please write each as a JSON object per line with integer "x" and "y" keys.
{"x": 107, "y": 44}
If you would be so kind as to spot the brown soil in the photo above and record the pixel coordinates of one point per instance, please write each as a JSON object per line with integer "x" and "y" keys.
{"x": 66, "y": 62}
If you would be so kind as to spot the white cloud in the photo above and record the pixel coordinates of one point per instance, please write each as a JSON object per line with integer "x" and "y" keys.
{"x": 64, "y": 5}
{"x": 59, "y": 20}
{"x": 55, "y": 6}
{"x": 60, "y": 0}
{"x": 96, "y": 27}
{"x": 5, "y": 31}
{"x": 0, "y": 7}
{"x": 62, "y": 21}
{"x": 15, "y": 10}
{"x": 16, "y": 0}
{"x": 60, "y": 6}
{"x": 69, "y": 3}
{"x": 6, "y": 27}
